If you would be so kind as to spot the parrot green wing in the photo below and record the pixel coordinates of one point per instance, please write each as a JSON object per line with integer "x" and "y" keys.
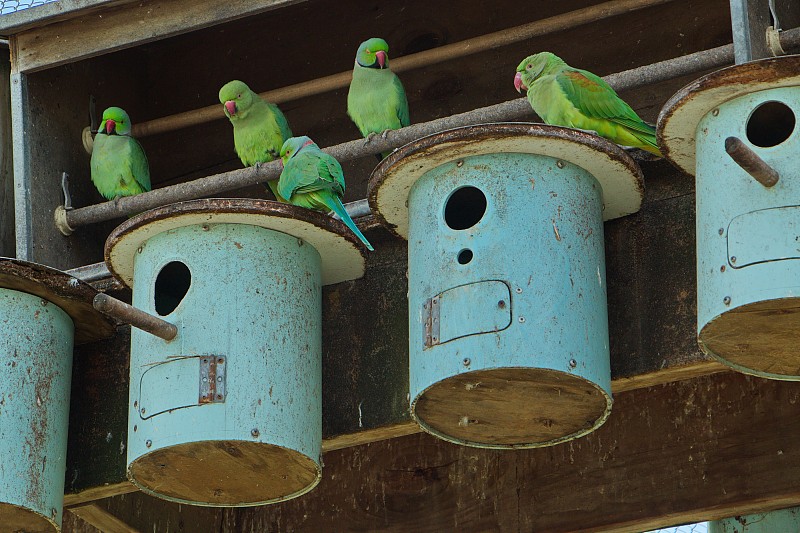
{"x": 140, "y": 168}
{"x": 402, "y": 102}
{"x": 283, "y": 124}
{"x": 310, "y": 171}
{"x": 593, "y": 97}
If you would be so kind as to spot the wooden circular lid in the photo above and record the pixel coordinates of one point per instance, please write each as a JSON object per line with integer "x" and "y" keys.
{"x": 17, "y": 518}
{"x": 758, "y": 338}
{"x": 72, "y": 295}
{"x": 340, "y": 250}
{"x": 511, "y": 408}
{"x": 678, "y": 120}
{"x": 225, "y": 473}
{"x": 618, "y": 174}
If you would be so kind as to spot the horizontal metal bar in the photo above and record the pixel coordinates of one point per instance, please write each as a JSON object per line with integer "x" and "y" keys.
{"x": 503, "y": 112}
{"x": 135, "y": 317}
{"x": 562, "y": 22}
{"x": 90, "y": 273}
{"x": 750, "y": 162}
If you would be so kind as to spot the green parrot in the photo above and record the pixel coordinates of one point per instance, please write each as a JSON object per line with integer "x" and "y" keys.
{"x": 314, "y": 180}
{"x": 376, "y": 101}
{"x": 119, "y": 166}
{"x": 259, "y": 127}
{"x": 566, "y": 96}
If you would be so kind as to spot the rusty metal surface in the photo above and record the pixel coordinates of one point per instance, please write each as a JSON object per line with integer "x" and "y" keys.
{"x": 130, "y": 315}
{"x": 617, "y": 172}
{"x": 343, "y": 257}
{"x": 69, "y": 293}
{"x": 750, "y": 162}
{"x": 682, "y": 113}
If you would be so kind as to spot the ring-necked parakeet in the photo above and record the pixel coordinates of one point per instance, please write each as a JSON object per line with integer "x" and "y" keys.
{"x": 314, "y": 180}
{"x": 376, "y": 101}
{"x": 566, "y": 96}
{"x": 119, "y": 165}
{"x": 259, "y": 127}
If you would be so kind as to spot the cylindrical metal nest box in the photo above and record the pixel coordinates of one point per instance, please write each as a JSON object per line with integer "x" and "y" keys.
{"x": 42, "y": 311}
{"x": 508, "y": 327}
{"x": 736, "y": 131}
{"x": 781, "y": 521}
{"x": 229, "y": 412}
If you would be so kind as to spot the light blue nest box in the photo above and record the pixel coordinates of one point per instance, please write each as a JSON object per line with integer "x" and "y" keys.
{"x": 736, "y": 131}
{"x": 42, "y": 311}
{"x": 781, "y": 521}
{"x": 229, "y": 412}
{"x": 508, "y": 329}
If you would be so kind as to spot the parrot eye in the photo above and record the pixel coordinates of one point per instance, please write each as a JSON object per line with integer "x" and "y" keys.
{"x": 529, "y": 67}
{"x": 238, "y": 96}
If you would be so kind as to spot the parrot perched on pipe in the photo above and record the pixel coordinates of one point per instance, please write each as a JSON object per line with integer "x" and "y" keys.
{"x": 259, "y": 127}
{"x": 314, "y": 180}
{"x": 566, "y": 96}
{"x": 119, "y": 166}
{"x": 376, "y": 101}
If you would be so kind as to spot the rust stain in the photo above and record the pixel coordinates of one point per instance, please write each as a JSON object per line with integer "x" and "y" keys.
{"x": 238, "y": 245}
{"x": 555, "y": 230}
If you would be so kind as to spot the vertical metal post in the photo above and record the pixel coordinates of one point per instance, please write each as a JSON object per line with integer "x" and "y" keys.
{"x": 22, "y": 181}
{"x": 7, "y": 243}
{"x": 749, "y": 21}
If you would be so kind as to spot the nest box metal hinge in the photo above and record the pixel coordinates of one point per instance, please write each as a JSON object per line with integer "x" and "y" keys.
{"x": 431, "y": 310}
{"x": 212, "y": 379}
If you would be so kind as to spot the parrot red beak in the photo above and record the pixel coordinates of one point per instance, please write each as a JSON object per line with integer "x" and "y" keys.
{"x": 380, "y": 55}
{"x": 230, "y": 106}
{"x": 518, "y": 85}
{"x": 110, "y": 125}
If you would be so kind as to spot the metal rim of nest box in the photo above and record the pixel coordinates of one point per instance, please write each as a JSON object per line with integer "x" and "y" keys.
{"x": 618, "y": 174}
{"x": 72, "y": 295}
{"x": 466, "y": 392}
{"x": 340, "y": 250}
{"x": 747, "y": 313}
{"x": 680, "y": 116}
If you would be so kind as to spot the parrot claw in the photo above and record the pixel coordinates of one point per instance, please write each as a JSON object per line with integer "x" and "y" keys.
{"x": 369, "y": 138}
{"x": 384, "y": 134}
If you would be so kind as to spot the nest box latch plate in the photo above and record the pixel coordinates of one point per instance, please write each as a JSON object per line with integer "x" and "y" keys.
{"x": 212, "y": 379}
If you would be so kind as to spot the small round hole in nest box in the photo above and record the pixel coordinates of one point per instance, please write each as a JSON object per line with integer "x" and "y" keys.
{"x": 464, "y": 208}
{"x": 770, "y": 124}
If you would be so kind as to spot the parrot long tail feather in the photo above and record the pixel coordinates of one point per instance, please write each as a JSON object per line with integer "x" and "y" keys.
{"x": 336, "y": 206}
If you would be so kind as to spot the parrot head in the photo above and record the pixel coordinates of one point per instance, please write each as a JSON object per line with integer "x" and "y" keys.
{"x": 293, "y": 145}
{"x": 373, "y": 53}
{"x": 532, "y": 67}
{"x": 115, "y": 122}
{"x": 236, "y": 97}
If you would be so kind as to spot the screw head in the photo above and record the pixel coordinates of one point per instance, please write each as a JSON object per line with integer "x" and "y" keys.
{"x": 518, "y": 290}
{"x": 254, "y": 432}
{"x": 715, "y": 112}
{"x": 139, "y": 250}
{"x": 721, "y": 231}
{"x": 205, "y": 227}
{"x": 466, "y": 361}
{"x": 148, "y": 443}
{"x": 727, "y": 300}
{"x": 522, "y": 320}
{"x": 142, "y": 410}
{"x": 722, "y": 268}
{"x": 460, "y": 164}
{"x": 733, "y": 259}
{"x": 573, "y": 363}
{"x": 560, "y": 164}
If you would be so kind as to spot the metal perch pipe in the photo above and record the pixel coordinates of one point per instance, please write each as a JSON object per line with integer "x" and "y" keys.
{"x": 750, "y": 162}
{"x": 135, "y": 317}
{"x": 440, "y": 54}
{"x": 503, "y": 112}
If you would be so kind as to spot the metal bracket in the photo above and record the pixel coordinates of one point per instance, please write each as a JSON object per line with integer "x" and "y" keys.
{"x": 431, "y": 315}
{"x": 212, "y": 379}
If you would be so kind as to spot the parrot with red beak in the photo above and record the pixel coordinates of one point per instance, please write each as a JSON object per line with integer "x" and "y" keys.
{"x": 118, "y": 166}
{"x": 259, "y": 127}
{"x": 376, "y": 101}
{"x": 575, "y": 98}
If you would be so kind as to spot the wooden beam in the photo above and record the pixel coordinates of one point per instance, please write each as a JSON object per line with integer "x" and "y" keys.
{"x": 102, "y": 31}
{"x": 678, "y": 453}
{"x": 101, "y": 519}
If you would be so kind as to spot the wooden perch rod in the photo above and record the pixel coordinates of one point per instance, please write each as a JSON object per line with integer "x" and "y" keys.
{"x": 506, "y": 111}
{"x": 440, "y": 54}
